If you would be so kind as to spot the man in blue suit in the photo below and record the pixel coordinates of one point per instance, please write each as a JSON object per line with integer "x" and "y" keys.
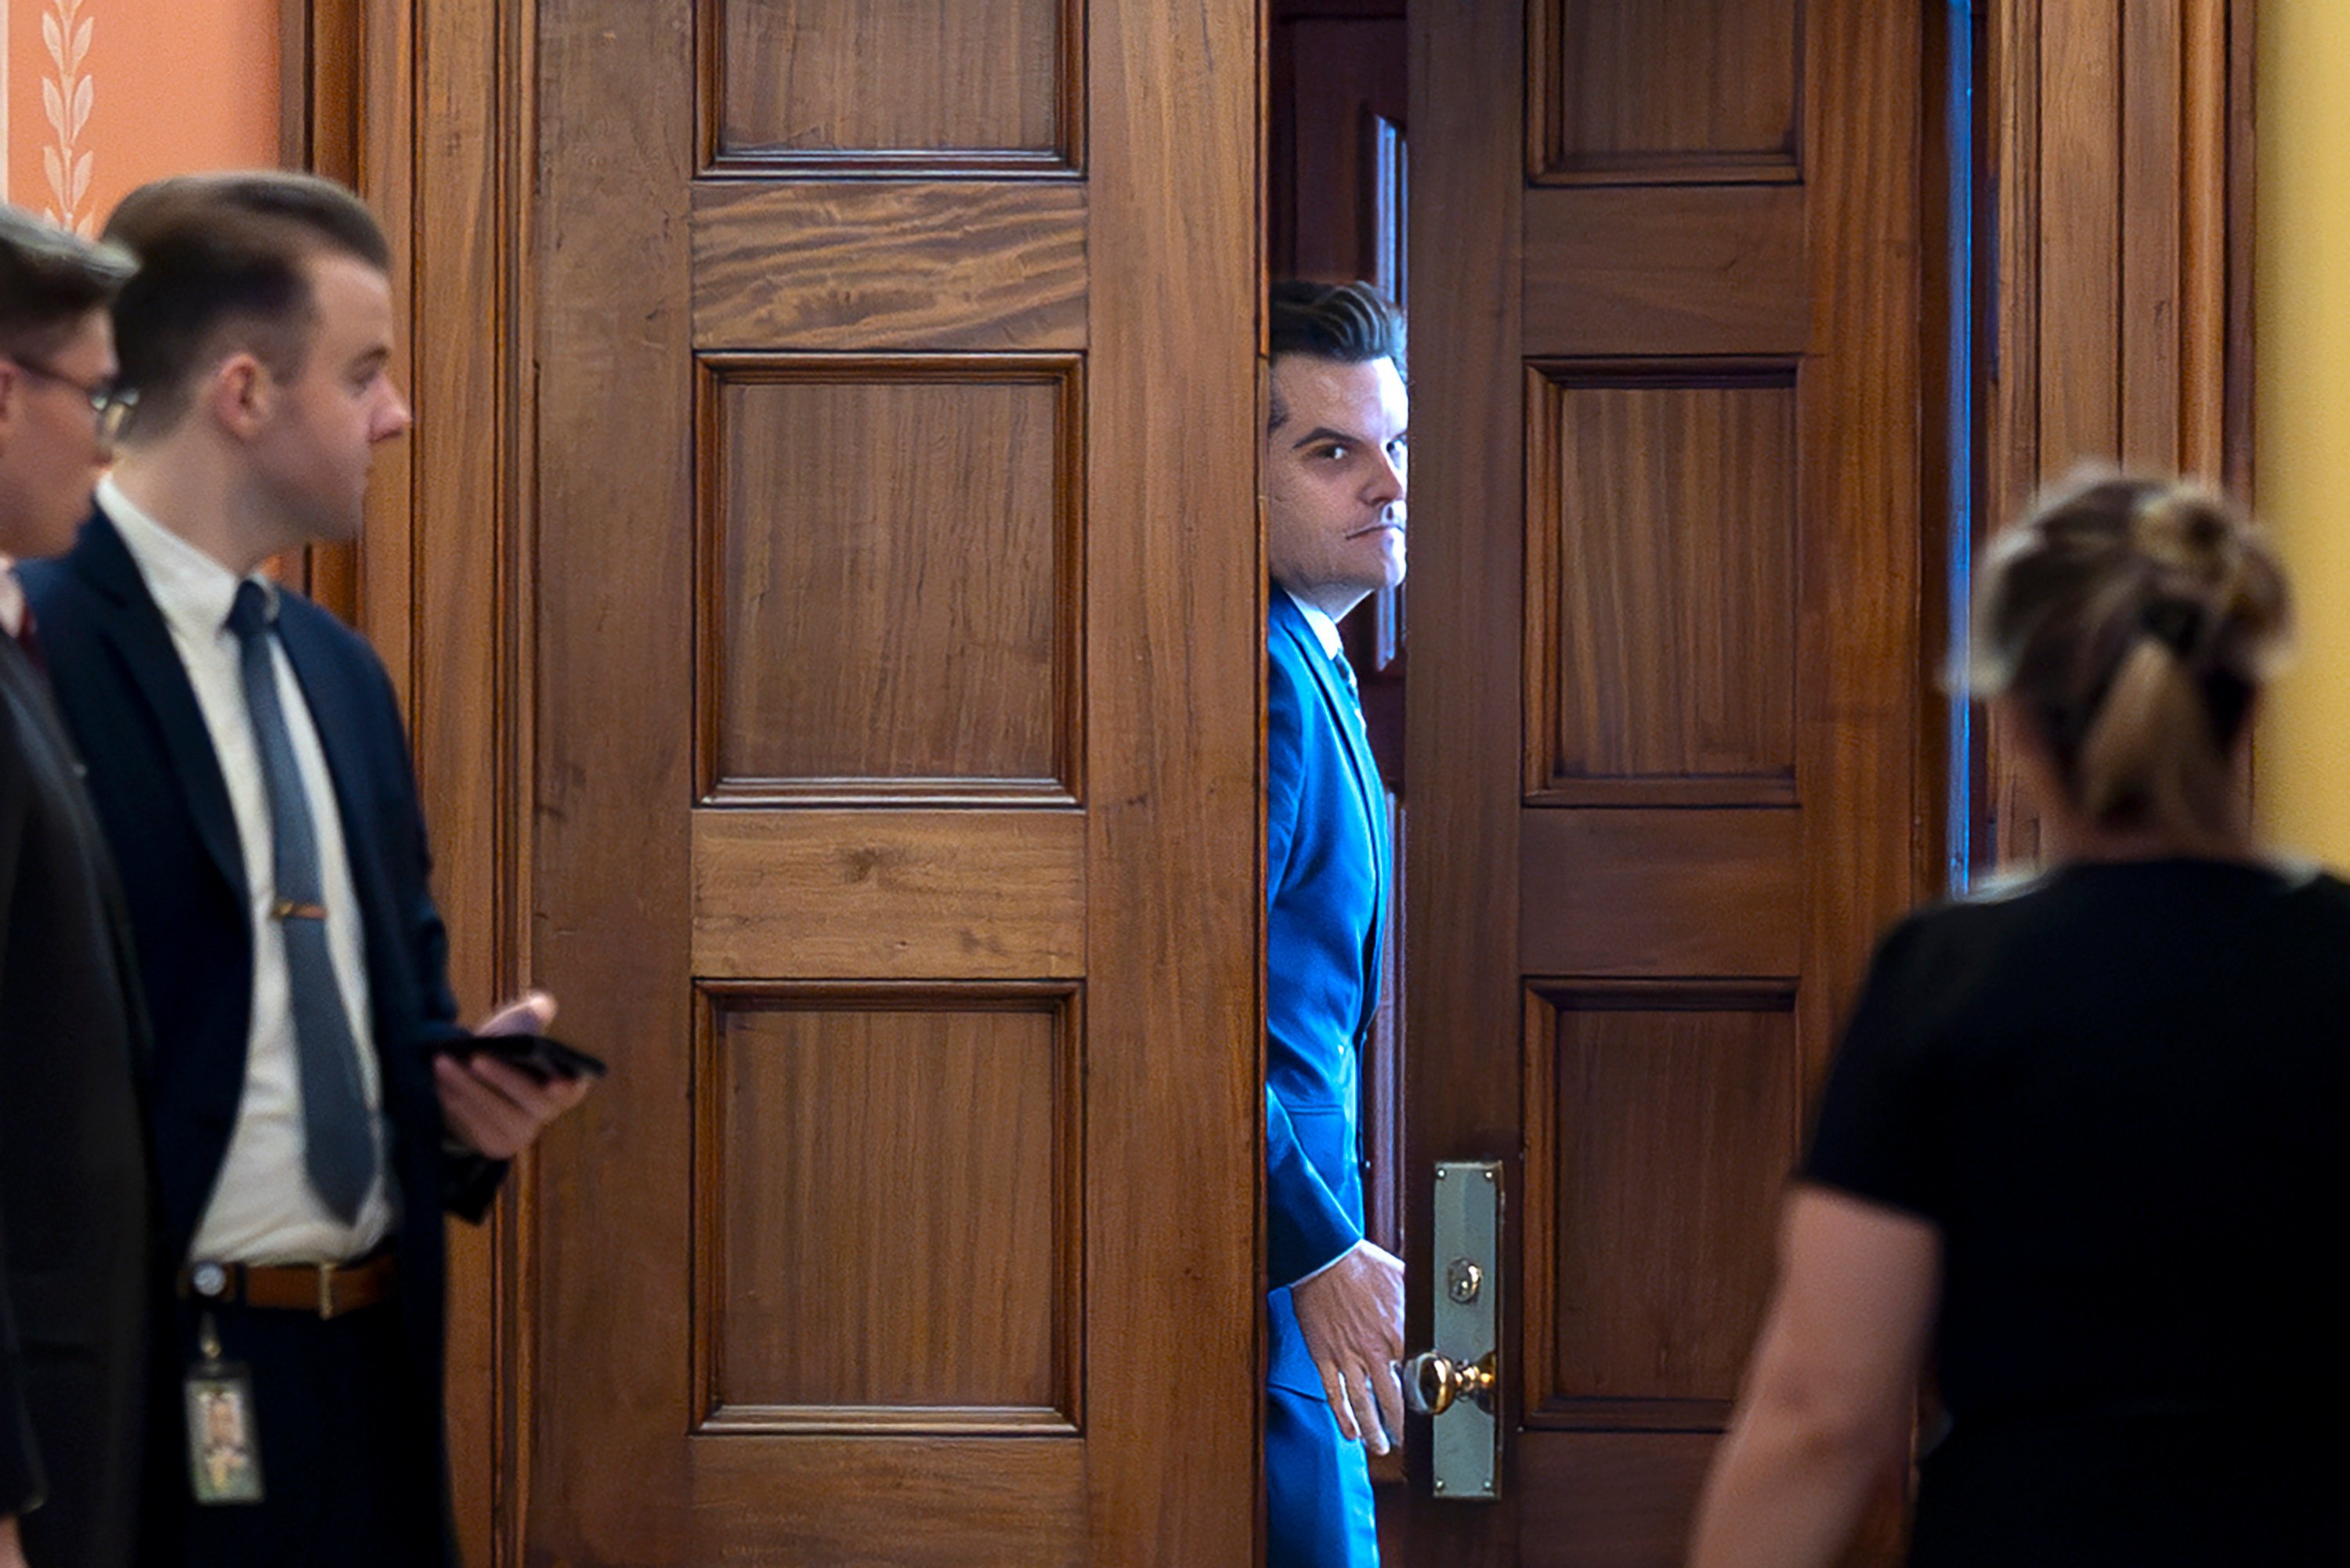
{"x": 1335, "y": 482}
{"x": 313, "y": 1108}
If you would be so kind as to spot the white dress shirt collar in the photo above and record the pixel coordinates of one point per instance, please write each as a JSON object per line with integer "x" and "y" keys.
{"x": 193, "y": 591}
{"x": 1324, "y": 627}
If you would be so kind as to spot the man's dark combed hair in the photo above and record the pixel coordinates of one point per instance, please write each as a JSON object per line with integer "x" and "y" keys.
{"x": 226, "y": 253}
{"x": 49, "y": 281}
{"x": 1347, "y": 323}
{"x": 1351, "y": 323}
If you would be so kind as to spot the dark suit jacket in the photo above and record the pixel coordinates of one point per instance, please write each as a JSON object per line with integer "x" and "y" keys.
{"x": 1326, "y": 894}
{"x": 77, "y": 1250}
{"x": 159, "y": 791}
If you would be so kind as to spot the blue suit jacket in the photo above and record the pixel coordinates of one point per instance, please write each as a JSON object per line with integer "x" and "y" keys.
{"x": 1326, "y": 895}
{"x": 160, "y": 794}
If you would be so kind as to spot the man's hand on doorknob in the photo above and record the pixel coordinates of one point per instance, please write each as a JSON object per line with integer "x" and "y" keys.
{"x": 1352, "y": 1316}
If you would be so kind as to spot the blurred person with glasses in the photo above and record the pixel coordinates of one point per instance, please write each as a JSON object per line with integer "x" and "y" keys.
{"x": 80, "y": 1270}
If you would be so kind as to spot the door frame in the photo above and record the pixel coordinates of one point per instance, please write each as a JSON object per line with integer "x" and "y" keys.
{"x": 2159, "y": 285}
{"x": 441, "y": 579}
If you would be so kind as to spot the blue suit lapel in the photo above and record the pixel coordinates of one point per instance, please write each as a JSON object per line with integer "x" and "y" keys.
{"x": 132, "y": 629}
{"x": 1345, "y": 716}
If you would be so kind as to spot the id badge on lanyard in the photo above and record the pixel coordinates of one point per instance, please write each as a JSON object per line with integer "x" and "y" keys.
{"x": 223, "y": 1455}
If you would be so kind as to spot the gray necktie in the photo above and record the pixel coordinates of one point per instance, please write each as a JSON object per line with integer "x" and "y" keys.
{"x": 338, "y": 1137}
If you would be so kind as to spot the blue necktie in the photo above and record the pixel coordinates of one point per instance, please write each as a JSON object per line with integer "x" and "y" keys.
{"x": 337, "y": 1135}
{"x": 1347, "y": 679}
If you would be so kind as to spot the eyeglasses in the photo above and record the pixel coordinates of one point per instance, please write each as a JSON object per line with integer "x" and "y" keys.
{"x": 111, "y": 403}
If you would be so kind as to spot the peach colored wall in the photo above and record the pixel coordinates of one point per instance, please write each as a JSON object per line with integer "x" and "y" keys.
{"x": 101, "y": 96}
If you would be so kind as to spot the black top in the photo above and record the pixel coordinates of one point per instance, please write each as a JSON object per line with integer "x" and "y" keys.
{"x": 2122, "y": 1095}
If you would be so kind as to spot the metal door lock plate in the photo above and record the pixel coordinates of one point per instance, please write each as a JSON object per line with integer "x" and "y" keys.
{"x": 1466, "y": 1440}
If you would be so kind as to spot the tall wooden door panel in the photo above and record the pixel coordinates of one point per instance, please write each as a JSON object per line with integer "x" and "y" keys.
{"x": 1664, "y": 697}
{"x": 896, "y": 644}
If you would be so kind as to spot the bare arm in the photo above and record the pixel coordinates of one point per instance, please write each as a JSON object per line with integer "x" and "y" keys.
{"x": 1828, "y": 1404}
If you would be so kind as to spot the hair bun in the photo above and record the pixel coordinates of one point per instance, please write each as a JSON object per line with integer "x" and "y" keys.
{"x": 2190, "y": 530}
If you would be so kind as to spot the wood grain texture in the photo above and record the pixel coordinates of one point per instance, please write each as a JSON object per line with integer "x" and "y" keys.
{"x": 1650, "y": 91}
{"x": 2240, "y": 203}
{"x": 2010, "y": 432}
{"x": 1631, "y": 1503}
{"x": 611, "y": 1480}
{"x": 808, "y": 77}
{"x": 1000, "y": 1503}
{"x": 1661, "y": 542}
{"x": 1175, "y": 631}
{"x": 1798, "y": 308}
{"x": 2080, "y": 239}
{"x": 1464, "y": 704}
{"x": 1662, "y": 1120}
{"x": 433, "y": 584}
{"x": 2151, "y": 225}
{"x": 472, "y": 724}
{"x": 2203, "y": 237}
{"x": 1662, "y": 892}
{"x": 866, "y": 264}
{"x": 2011, "y": 159}
{"x": 323, "y": 49}
{"x": 894, "y": 550}
{"x": 1677, "y": 270}
{"x": 888, "y": 1192}
{"x": 889, "y": 893}
{"x": 1333, "y": 79}
{"x": 1861, "y": 577}
{"x": 1163, "y": 891}
{"x": 2121, "y": 155}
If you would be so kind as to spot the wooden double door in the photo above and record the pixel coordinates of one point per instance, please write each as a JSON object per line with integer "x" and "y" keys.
{"x": 895, "y": 827}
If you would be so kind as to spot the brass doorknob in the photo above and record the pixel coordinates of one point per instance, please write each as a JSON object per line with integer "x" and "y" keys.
{"x": 1432, "y": 1382}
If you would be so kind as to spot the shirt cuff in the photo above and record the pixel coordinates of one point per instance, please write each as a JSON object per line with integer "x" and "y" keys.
{"x": 1333, "y": 1264}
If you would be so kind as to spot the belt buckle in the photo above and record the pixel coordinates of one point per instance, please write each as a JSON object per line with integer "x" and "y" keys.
{"x": 327, "y": 1292}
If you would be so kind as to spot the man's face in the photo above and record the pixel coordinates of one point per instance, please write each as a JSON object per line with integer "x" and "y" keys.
{"x": 51, "y": 452}
{"x": 313, "y": 456}
{"x": 1334, "y": 479}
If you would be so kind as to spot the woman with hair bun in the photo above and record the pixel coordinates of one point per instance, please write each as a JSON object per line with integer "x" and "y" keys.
{"x": 2083, "y": 1148}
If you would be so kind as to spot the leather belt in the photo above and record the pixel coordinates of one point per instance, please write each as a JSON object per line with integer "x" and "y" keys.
{"x": 330, "y": 1290}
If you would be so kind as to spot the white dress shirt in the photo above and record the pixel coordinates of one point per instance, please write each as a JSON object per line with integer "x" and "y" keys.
{"x": 1324, "y": 627}
{"x": 12, "y": 597}
{"x": 262, "y": 1210}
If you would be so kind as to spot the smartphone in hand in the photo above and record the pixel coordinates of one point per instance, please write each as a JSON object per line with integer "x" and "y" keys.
{"x": 542, "y": 1056}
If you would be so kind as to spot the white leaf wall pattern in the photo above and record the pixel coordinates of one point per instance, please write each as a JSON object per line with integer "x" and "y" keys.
{"x": 68, "y": 94}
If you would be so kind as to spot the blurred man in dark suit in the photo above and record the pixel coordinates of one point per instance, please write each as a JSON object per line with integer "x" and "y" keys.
{"x": 77, "y": 1265}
